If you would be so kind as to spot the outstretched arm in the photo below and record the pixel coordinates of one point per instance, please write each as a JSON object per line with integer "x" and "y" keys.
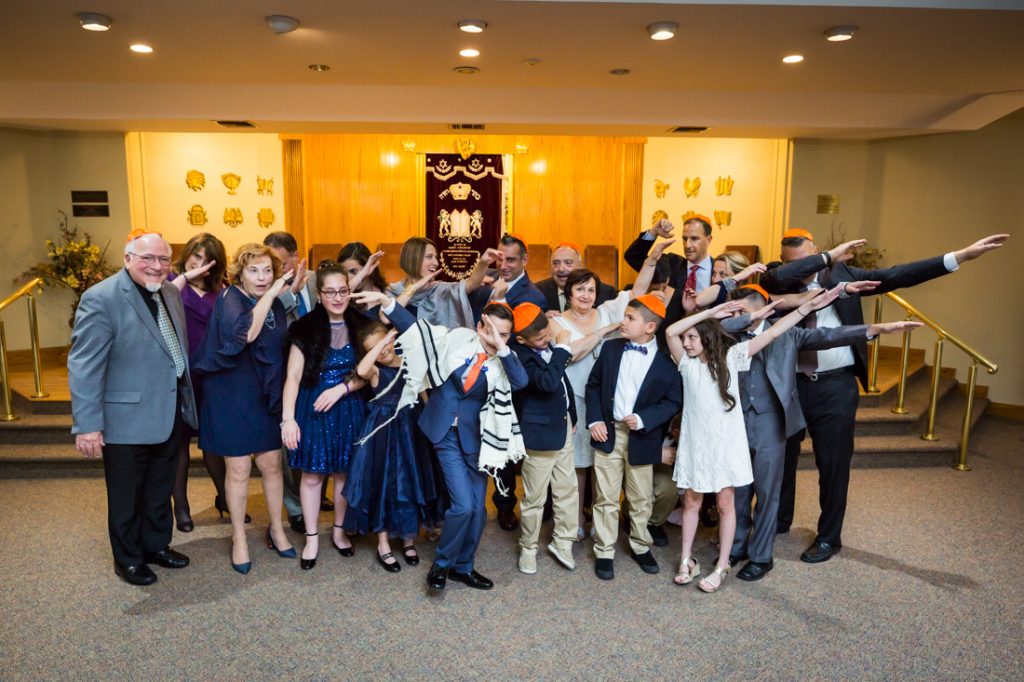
{"x": 483, "y": 263}
{"x": 823, "y": 299}
{"x": 262, "y": 307}
{"x": 711, "y": 293}
{"x": 674, "y": 333}
{"x": 650, "y": 264}
{"x": 367, "y": 367}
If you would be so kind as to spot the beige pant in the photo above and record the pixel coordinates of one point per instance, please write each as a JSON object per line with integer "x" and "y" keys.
{"x": 609, "y": 470}
{"x": 666, "y": 496}
{"x": 555, "y": 467}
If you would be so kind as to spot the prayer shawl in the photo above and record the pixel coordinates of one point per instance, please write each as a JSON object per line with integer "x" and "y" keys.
{"x": 443, "y": 303}
{"x": 427, "y": 351}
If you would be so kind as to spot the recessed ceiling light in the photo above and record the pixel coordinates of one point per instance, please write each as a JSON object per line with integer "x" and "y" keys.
{"x": 280, "y": 23}
{"x": 620, "y": 72}
{"x": 793, "y": 59}
{"x": 91, "y": 21}
{"x": 663, "y": 30}
{"x": 141, "y": 48}
{"x": 469, "y": 52}
{"x": 466, "y": 70}
{"x": 838, "y": 34}
{"x": 319, "y": 67}
{"x": 473, "y": 25}
{"x": 531, "y": 61}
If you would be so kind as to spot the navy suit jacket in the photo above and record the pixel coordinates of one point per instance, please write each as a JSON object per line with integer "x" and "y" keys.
{"x": 524, "y": 290}
{"x": 549, "y": 288}
{"x": 660, "y": 398}
{"x": 789, "y": 277}
{"x": 545, "y": 406}
{"x": 449, "y": 401}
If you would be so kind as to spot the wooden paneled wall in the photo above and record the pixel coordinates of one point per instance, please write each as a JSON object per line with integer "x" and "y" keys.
{"x": 365, "y": 187}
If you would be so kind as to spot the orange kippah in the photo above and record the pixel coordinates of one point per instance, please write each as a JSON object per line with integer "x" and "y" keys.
{"x": 698, "y": 216}
{"x": 504, "y": 304}
{"x": 652, "y": 303}
{"x": 524, "y": 315}
{"x": 759, "y": 289}
{"x": 569, "y": 245}
{"x": 797, "y": 232}
{"x": 138, "y": 232}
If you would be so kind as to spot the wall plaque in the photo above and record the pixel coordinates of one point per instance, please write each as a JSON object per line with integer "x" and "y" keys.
{"x": 89, "y": 197}
{"x": 828, "y": 203}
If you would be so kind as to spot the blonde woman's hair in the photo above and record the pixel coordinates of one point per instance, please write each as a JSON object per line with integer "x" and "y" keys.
{"x": 246, "y": 254}
{"x": 411, "y": 257}
{"x": 734, "y": 260}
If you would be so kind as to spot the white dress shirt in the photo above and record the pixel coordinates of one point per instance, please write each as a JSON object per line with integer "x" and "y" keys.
{"x": 633, "y": 370}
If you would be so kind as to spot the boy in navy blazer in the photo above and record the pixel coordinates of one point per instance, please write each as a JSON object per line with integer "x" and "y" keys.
{"x": 547, "y": 415}
{"x": 632, "y": 394}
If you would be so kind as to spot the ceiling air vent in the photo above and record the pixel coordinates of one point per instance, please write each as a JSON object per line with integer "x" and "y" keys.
{"x": 688, "y": 129}
{"x": 465, "y": 126}
{"x": 236, "y": 124}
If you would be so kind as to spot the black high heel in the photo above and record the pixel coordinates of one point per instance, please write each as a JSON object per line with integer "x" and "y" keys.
{"x": 343, "y": 551}
{"x": 222, "y": 507}
{"x": 306, "y": 564}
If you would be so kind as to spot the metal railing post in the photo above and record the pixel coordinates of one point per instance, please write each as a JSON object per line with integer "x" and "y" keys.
{"x": 933, "y": 402}
{"x": 37, "y": 365}
{"x": 8, "y": 412}
{"x": 965, "y": 430}
{"x": 875, "y": 345}
{"x": 901, "y": 392}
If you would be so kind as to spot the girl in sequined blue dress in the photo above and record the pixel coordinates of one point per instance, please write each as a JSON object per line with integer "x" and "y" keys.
{"x": 323, "y": 409}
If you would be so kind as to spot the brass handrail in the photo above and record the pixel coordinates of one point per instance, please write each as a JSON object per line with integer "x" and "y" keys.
{"x": 942, "y": 335}
{"x": 29, "y": 291}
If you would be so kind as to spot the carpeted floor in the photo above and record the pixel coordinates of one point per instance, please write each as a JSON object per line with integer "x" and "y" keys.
{"x": 928, "y": 586}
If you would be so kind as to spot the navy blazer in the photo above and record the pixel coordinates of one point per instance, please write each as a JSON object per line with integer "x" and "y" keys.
{"x": 789, "y": 277}
{"x": 546, "y": 406}
{"x": 549, "y": 288}
{"x": 449, "y": 401}
{"x": 660, "y": 398}
{"x": 524, "y": 290}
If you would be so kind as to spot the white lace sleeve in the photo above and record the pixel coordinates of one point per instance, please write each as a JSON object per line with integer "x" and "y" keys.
{"x": 738, "y": 358}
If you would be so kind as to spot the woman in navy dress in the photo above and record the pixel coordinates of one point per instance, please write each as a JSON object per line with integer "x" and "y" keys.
{"x": 242, "y": 367}
{"x": 390, "y": 488}
{"x": 323, "y": 408}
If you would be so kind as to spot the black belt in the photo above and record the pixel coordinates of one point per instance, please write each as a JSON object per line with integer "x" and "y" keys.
{"x": 817, "y": 376}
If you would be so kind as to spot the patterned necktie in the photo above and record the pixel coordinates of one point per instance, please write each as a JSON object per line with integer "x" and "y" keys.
{"x": 691, "y": 279}
{"x": 633, "y": 346}
{"x": 170, "y": 338}
{"x": 807, "y": 360}
{"x": 474, "y": 372}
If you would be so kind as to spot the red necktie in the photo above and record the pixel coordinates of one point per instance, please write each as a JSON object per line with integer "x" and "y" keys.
{"x": 691, "y": 279}
{"x": 474, "y": 372}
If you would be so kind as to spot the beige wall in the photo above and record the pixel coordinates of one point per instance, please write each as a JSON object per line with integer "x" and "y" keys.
{"x": 758, "y": 168}
{"x": 160, "y": 199}
{"x": 37, "y": 173}
{"x": 923, "y": 196}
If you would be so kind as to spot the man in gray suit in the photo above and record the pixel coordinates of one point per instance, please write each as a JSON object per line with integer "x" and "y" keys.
{"x": 771, "y": 413}
{"x": 130, "y": 396}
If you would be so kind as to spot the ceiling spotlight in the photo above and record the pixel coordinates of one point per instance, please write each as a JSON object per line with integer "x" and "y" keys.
{"x": 91, "y": 21}
{"x": 620, "y": 72}
{"x": 473, "y": 25}
{"x": 793, "y": 59}
{"x": 141, "y": 48}
{"x": 838, "y": 34}
{"x": 469, "y": 52}
{"x": 319, "y": 68}
{"x": 466, "y": 70}
{"x": 279, "y": 23}
{"x": 663, "y": 30}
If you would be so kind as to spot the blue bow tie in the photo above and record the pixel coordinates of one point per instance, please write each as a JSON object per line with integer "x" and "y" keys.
{"x": 636, "y": 347}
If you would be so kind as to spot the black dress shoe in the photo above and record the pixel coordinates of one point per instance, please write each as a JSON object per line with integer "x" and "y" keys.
{"x": 709, "y": 516}
{"x": 658, "y": 536}
{"x": 393, "y": 567}
{"x": 472, "y": 579}
{"x": 605, "y": 569}
{"x": 437, "y": 578}
{"x": 297, "y": 523}
{"x": 167, "y": 558}
{"x": 647, "y": 562}
{"x": 819, "y": 552}
{"x": 139, "y": 574}
{"x": 507, "y": 519}
{"x": 733, "y": 560}
{"x": 326, "y": 505}
{"x": 755, "y": 570}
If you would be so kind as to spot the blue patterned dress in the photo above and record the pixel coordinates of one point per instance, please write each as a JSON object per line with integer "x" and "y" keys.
{"x": 327, "y": 439}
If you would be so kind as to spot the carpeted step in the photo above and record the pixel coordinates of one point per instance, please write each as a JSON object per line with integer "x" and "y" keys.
{"x": 38, "y": 429}
{"x": 24, "y": 404}
{"x": 881, "y": 421}
{"x": 33, "y": 460}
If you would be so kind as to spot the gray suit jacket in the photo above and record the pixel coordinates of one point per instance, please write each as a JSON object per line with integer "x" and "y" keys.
{"x": 120, "y": 371}
{"x": 291, "y": 302}
{"x": 780, "y": 359}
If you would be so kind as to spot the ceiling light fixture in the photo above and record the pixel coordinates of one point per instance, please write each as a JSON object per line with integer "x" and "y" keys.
{"x": 91, "y": 21}
{"x": 838, "y": 34}
{"x": 620, "y": 72}
{"x": 141, "y": 48}
{"x": 466, "y": 70}
{"x": 469, "y": 52}
{"x": 793, "y": 59}
{"x": 473, "y": 25}
{"x": 663, "y": 30}
{"x": 319, "y": 68}
{"x": 280, "y": 23}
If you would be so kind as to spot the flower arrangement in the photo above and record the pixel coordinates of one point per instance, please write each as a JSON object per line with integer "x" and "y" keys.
{"x": 73, "y": 263}
{"x": 867, "y": 259}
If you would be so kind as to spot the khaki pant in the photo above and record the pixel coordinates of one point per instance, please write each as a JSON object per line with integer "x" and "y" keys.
{"x": 554, "y": 467}
{"x": 666, "y": 496}
{"x": 609, "y": 470}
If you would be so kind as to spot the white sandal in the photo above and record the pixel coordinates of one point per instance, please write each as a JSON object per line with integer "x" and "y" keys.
{"x": 721, "y": 572}
{"x": 689, "y": 568}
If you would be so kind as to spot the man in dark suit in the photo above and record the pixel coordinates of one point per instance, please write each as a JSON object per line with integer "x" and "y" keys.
{"x": 130, "y": 397}
{"x": 827, "y": 380}
{"x": 692, "y": 270}
{"x": 564, "y": 259}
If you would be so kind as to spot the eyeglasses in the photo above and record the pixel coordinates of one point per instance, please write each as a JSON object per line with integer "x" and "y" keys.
{"x": 335, "y": 293}
{"x": 149, "y": 259}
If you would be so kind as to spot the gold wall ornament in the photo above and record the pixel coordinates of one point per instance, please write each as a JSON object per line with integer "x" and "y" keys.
{"x": 465, "y": 147}
{"x": 231, "y": 181}
{"x": 691, "y": 187}
{"x": 233, "y": 217}
{"x": 723, "y": 186}
{"x": 723, "y": 218}
{"x": 658, "y": 215}
{"x": 687, "y": 216}
{"x": 265, "y": 186}
{"x": 660, "y": 188}
{"x": 265, "y": 217}
{"x": 522, "y": 147}
{"x": 197, "y": 215}
{"x": 409, "y": 146}
{"x": 195, "y": 180}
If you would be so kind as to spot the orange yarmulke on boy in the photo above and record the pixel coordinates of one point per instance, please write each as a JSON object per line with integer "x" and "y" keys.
{"x": 759, "y": 289}
{"x": 652, "y": 303}
{"x": 524, "y": 315}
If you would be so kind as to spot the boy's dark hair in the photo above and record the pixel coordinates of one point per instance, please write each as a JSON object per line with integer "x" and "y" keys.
{"x": 539, "y": 324}
{"x": 498, "y": 310}
{"x": 662, "y": 272}
{"x": 645, "y": 312}
{"x": 367, "y": 330}
{"x": 742, "y": 293}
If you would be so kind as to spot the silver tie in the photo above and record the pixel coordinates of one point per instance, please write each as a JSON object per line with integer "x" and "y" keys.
{"x": 163, "y": 320}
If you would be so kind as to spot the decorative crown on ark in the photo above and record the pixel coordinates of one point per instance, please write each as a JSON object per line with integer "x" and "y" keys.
{"x": 460, "y": 191}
